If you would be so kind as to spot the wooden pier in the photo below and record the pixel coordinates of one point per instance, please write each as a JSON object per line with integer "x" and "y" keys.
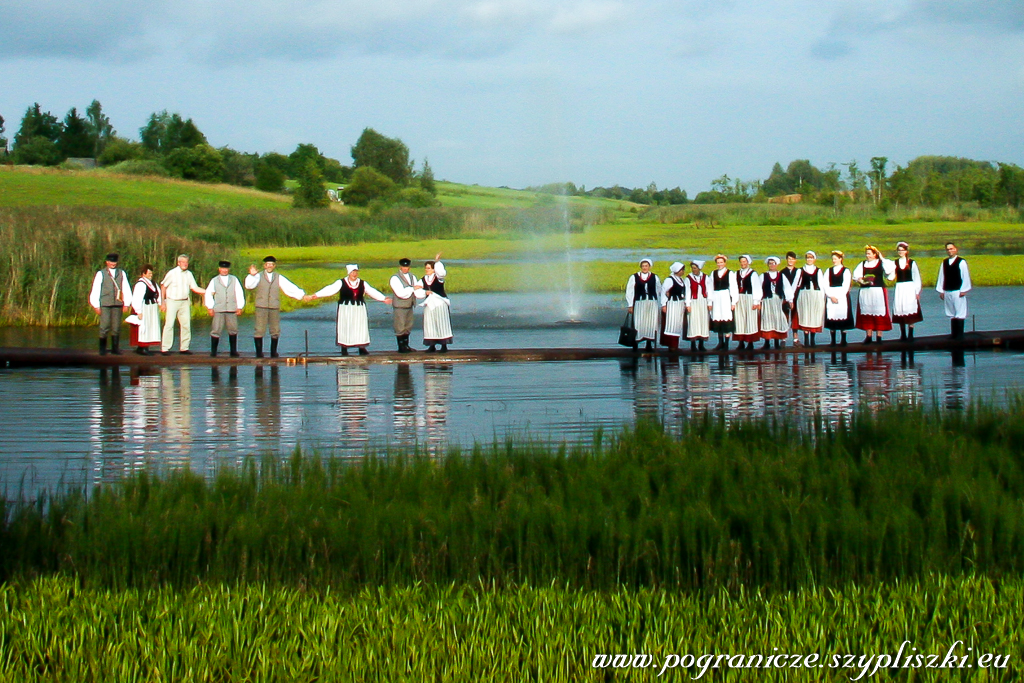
{"x": 11, "y": 357}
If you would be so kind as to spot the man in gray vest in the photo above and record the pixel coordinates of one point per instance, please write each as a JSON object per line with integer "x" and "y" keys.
{"x": 269, "y": 286}
{"x": 404, "y": 285}
{"x": 225, "y": 300}
{"x": 111, "y": 296}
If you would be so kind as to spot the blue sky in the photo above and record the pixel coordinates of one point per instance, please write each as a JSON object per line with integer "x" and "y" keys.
{"x": 524, "y": 92}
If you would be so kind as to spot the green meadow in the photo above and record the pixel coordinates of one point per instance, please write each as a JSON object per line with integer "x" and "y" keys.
{"x": 56, "y": 225}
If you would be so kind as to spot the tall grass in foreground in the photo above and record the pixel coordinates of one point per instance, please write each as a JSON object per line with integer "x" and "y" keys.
{"x": 775, "y": 505}
{"x": 53, "y": 629}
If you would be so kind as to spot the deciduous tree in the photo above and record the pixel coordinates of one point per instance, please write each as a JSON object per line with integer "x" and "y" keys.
{"x": 311, "y": 192}
{"x": 387, "y": 155}
{"x": 367, "y": 184}
{"x": 100, "y": 129}
{"x": 74, "y": 140}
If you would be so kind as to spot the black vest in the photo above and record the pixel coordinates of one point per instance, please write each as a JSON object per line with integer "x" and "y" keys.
{"x": 677, "y": 292}
{"x": 879, "y": 275}
{"x": 644, "y": 290}
{"x": 769, "y": 288}
{"x": 720, "y": 283}
{"x": 809, "y": 280}
{"x": 437, "y": 287}
{"x": 351, "y": 297}
{"x": 744, "y": 283}
{"x": 836, "y": 279}
{"x": 952, "y": 280}
{"x": 905, "y": 274}
{"x": 790, "y": 274}
{"x": 150, "y": 296}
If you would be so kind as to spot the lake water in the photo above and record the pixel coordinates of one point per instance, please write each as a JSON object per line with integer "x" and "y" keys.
{"x": 94, "y": 425}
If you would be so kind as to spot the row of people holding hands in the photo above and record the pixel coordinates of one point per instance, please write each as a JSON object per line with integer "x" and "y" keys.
{"x": 749, "y": 306}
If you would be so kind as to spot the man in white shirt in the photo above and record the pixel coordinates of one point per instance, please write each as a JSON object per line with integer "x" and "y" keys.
{"x": 404, "y": 285}
{"x": 111, "y": 296}
{"x": 176, "y": 289}
{"x": 953, "y": 284}
{"x": 225, "y": 300}
{"x": 269, "y": 287}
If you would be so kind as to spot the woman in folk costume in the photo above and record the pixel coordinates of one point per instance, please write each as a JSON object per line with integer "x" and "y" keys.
{"x": 644, "y": 299}
{"x": 790, "y": 281}
{"x": 353, "y": 323}
{"x": 774, "y": 323}
{"x": 873, "y": 303}
{"x": 698, "y": 307}
{"x": 906, "y": 295}
{"x": 748, "y": 289}
{"x": 674, "y": 308}
{"x": 437, "y": 318}
{"x": 724, "y": 295}
{"x": 810, "y": 299}
{"x": 838, "y": 310}
{"x": 146, "y": 332}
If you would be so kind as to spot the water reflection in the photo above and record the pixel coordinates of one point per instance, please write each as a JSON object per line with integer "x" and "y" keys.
{"x": 407, "y": 417}
{"x": 353, "y": 396}
{"x": 437, "y": 385}
{"x": 267, "y": 395}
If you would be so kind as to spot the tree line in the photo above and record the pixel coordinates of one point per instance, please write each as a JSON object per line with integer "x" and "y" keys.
{"x": 382, "y": 172}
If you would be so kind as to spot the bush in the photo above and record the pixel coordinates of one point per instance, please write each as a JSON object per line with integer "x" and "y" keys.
{"x": 37, "y": 151}
{"x": 269, "y": 178}
{"x": 140, "y": 167}
{"x": 118, "y": 150}
{"x": 311, "y": 193}
{"x": 201, "y": 162}
{"x": 416, "y": 198}
{"x": 367, "y": 185}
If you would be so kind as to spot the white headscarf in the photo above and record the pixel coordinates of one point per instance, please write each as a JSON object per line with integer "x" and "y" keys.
{"x": 698, "y": 263}
{"x": 810, "y": 253}
{"x": 777, "y": 260}
{"x": 675, "y": 267}
{"x": 350, "y": 267}
{"x": 649, "y": 261}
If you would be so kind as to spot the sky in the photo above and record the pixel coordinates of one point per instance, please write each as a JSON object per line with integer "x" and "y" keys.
{"x": 526, "y": 92}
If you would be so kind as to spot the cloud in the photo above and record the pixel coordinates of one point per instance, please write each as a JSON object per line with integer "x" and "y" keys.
{"x": 235, "y": 30}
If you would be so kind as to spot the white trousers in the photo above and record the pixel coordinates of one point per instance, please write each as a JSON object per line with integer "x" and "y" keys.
{"x": 182, "y": 312}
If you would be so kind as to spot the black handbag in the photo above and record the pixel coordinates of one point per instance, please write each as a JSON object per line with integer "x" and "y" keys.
{"x": 627, "y": 333}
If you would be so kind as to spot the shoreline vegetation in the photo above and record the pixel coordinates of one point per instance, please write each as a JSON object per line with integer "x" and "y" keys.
{"x": 55, "y": 225}
{"x": 526, "y": 561}
{"x": 771, "y": 505}
{"x": 54, "y": 629}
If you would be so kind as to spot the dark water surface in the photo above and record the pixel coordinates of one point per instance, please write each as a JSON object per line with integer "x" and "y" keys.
{"x": 94, "y": 425}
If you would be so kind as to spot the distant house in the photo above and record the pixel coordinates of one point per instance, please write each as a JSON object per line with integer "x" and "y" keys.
{"x": 786, "y": 199}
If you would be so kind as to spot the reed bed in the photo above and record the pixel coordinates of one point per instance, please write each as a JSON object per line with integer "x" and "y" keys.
{"x": 53, "y": 629}
{"x": 726, "y": 215}
{"x": 897, "y": 495}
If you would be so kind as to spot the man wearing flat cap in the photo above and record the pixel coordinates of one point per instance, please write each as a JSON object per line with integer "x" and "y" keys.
{"x": 404, "y": 285}
{"x": 111, "y": 296}
{"x": 269, "y": 287}
{"x": 225, "y": 300}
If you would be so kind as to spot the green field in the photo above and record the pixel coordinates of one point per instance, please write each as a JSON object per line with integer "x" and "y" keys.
{"x": 54, "y": 630}
{"x": 80, "y": 215}
{"x": 37, "y": 187}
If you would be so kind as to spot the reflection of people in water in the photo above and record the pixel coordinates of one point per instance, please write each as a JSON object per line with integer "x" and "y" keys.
{"x": 437, "y": 385}
{"x": 353, "y": 394}
{"x": 641, "y": 382}
{"x": 268, "y": 404}
{"x": 108, "y": 419}
{"x": 176, "y": 400}
{"x": 225, "y": 411}
{"x": 874, "y": 379}
{"x": 142, "y": 411}
{"x": 406, "y": 415}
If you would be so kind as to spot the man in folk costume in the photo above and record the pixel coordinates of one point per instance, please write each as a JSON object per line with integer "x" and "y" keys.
{"x": 906, "y": 295}
{"x": 724, "y": 294}
{"x": 748, "y": 289}
{"x": 674, "y": 308}
{"x": 873, "y": 302}
{"x": 698, "y": 307}
{"x": 403, "y": 285}
{"x": 774, "y": 322}
{"x": 810, "y": 299}
{"x": 110, "y": 296}
{"x": 644, "y": 300}
{"x": 176, "y": 291}
{"x": 269, "y": 286}
{"x": 146, "y": 300}
{"x": 353, "y": 323}
{"x": 437, "y": 318}
{"x": 790, "y": 280}
{"x": 225, "y": 300}
{"x": 838, "y": 309}
{"x": 953, "y": 284}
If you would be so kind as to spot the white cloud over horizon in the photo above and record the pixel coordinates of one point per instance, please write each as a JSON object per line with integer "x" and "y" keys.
{"x": 521, "y": 92}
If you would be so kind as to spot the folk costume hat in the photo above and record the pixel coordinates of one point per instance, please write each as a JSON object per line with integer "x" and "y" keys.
{"x": 270, "y": 259}
{"x": 648, "y": 260}
{"x": 224, "y": 264}
{"x": 721, "y": 256}
{"x": 777, "y": 260}
{"x": 350, "y": 267}
{"x": 836, "y": 252}
{"x": 698, "y": 263}
{"x": 749, "y": 260}
{"x": 904, "y": 245}
{"x": 675, "y": 267}
{"x": 112, "y": 257}
{"x": 869, "y": 247}
{"x": 810, "y": 253}
{"x": 404, "y": 262}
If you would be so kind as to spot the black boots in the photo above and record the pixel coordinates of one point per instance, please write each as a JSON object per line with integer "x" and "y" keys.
{"x": 910, "y": 334}
{"x": 843, "y": 342}
{"x": 258, "y": 341}
{"x": 956, "y": 328}
{"x": 832, "y": 341}
{"x": 903, "y": 332}
{"x": 273, "y": 347}
{"x": 233, "y": 341}
{"x": 214, "y": 343}
{"x": 115, "y": 346}
{"x": 767, "y": 344}
{"x": 403, "y": 344}
{"x": 103, "y": 346}
{"x": 693, "y": 345}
